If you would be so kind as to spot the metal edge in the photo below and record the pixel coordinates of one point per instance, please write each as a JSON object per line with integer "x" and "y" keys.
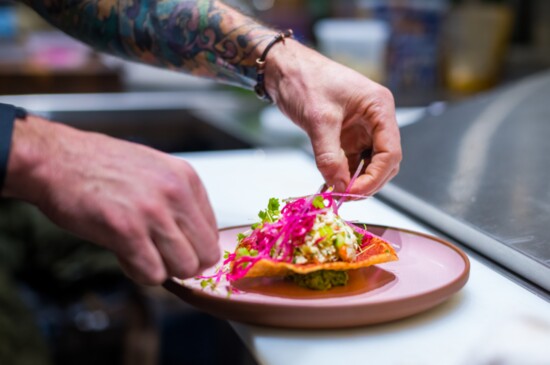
{"x": 513, "y": 260}
{"x": 127, "y": 101}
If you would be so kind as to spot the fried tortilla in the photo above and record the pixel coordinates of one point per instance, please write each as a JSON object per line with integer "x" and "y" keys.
{"x": 374, "y": 251}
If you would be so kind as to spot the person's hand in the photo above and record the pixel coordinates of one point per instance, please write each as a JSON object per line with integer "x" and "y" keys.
{"x": 346, "y": 115}
{"x": 149, "y": 208}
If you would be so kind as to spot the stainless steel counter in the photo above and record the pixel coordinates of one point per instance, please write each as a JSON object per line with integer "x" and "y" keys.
{"x": 480, "y": 172}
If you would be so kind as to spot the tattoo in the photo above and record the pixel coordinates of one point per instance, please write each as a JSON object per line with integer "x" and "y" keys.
{"x": 202, "y": 37}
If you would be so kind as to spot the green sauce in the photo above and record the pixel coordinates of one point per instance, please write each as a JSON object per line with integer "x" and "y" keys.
{"x": 320, "y": 280}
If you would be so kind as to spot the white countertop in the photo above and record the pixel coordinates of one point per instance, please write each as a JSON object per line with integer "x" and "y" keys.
{"x": 491, "y": 318}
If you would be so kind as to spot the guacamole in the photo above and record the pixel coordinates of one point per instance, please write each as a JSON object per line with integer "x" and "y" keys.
{"x": 321, "y": 279}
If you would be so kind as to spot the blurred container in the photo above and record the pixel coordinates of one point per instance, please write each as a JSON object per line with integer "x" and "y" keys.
{"x": 476, "y": 40}
{"x": 8, "y": 22}
{"x": 414, "y": 45}
{"x": 282, "y": 14}
{"x": 541, "y": 29}
{"x": 360, "y": 44}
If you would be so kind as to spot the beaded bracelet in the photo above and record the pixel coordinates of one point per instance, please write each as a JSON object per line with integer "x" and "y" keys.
{"x": 260, "y": 90}
{"x": 8, "y": 114}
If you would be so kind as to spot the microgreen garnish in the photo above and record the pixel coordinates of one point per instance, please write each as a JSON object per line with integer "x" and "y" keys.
{"x": 271, "y": 214}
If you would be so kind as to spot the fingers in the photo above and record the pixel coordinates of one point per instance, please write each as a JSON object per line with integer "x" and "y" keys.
{"x": 330, "y": 158}
{"x": 195, "y": 220}
{"x": 382, "y": 167}
{"x": 179, "y": 257}
{"x": 142, "y": 262}
{"x": 182, "y": 249}
{"x": 376, "y": 175}
{"x": 202, "y": 238}
{"x": 186, "y": 236}
{"x": 179, "y": 235}
{"x": 385, "y": 142}
{"x": 171, "y": 251}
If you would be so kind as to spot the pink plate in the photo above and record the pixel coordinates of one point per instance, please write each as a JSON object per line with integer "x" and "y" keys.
{"x": 428, "y": 272}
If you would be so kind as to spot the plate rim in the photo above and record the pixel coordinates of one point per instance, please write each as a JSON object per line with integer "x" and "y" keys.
{"x": 195, "y": 296}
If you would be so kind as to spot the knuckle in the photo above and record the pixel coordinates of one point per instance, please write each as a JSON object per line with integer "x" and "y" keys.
{"x": 380, "y": 102}
{"x": 396, "y": 157}
{"x": 150, "y": 208}
{"x": 384, "y": 94}
{"x": 172, "y": 189}
{"x": 327, "y": 160}
{"x": 188, "y": 171}
{"x": 173, "y": 183}
{"x": 395, "y": 171}
{"x": 124, "y": 229}
{"x": 190, "y": 180}
{"x": 196, "y": 184}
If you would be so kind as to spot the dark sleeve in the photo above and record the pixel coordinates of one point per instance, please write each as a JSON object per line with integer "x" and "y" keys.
{"x": 8, "y": 114}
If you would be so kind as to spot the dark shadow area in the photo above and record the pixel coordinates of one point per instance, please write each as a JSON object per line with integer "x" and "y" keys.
{"x": 177, "y": 130}
{"x": 65, "y": 301}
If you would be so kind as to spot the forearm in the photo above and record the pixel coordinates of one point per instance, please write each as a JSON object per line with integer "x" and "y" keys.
{"x": 201, "y": 37}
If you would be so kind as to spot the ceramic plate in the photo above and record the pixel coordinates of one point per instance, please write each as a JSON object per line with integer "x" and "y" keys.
{"x": 428, "y": 272}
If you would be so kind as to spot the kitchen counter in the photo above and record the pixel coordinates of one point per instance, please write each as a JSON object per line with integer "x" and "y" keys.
{"x": 491, "y": 318}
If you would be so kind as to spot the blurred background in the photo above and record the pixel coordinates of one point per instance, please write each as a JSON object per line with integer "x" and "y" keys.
{"x": 423, "y": 50}
{"x": 67, "y": 298}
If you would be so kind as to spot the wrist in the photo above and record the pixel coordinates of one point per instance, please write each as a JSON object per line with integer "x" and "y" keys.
{"x": 282, "y": 66}
{"x": 26, "y": 160}
{"x": 260, "y": 87}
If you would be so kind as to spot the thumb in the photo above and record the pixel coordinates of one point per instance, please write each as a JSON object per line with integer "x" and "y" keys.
{"x": 330, "y": 157}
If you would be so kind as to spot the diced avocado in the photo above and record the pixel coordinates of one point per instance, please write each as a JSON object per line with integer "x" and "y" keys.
{"x": 340, "y": 240}
{"x": 320, "y": 280}
{"x": 326, "y": 231}
{"x": 242, "y": 251}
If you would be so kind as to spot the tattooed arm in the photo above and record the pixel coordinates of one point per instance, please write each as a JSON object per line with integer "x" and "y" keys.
{"x": 202, "y": 37}
{"x": 343, "y": 112}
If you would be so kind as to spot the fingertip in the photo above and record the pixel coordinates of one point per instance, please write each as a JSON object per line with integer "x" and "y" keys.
{"x": 211, "y": 259}
{"x": 187, "y": 268}
{"x": 157, "y": 277}
{"x": 363, "y": 185}
{"x": 370, "y": 182}
{"x": 152, "y": 276}
{"x": 367, "y": 183}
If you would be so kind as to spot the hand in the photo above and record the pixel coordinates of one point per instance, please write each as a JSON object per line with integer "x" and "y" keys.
{"x": 345, "y": 114}
{"x": 149, "y": 208}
